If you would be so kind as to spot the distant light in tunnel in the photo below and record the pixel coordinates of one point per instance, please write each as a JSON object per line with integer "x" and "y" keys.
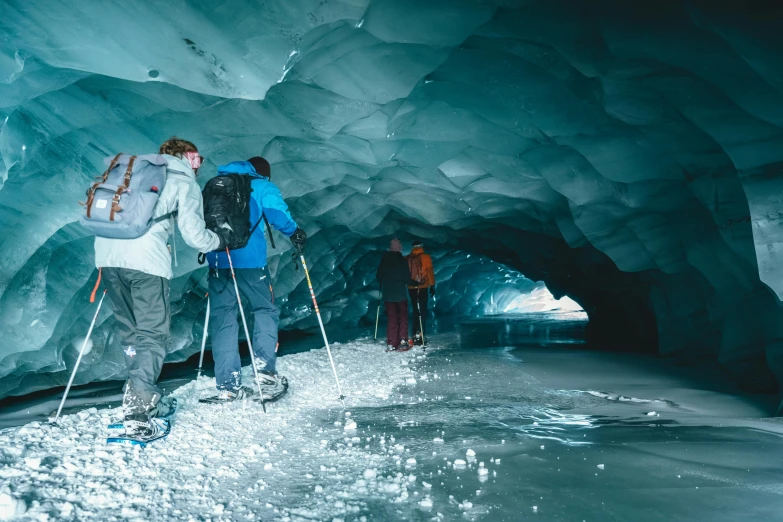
{"x": 541, "y": 300}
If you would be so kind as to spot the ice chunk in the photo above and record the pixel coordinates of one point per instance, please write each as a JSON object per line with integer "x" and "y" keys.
{"x": 11, "y": 507}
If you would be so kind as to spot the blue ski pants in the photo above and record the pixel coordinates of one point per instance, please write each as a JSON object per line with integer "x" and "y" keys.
{"x": 260, "y": 309}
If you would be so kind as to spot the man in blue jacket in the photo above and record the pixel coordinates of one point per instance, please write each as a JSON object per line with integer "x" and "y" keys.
{"x": 254, "y": 283}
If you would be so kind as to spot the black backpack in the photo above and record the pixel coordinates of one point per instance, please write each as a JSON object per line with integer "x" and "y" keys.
{"x": 227, "y": 207}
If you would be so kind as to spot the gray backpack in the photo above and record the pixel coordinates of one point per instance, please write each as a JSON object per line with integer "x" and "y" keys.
{"x": 120, "y": 205}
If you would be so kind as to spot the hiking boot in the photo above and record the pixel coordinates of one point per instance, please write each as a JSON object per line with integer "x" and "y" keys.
{"x": 404, "y": 346}
{"x": 418, "y": 340}
{"x": 139, "y": 426}
{"x": 230, "y": 395}
{"x": 164, "y": 408}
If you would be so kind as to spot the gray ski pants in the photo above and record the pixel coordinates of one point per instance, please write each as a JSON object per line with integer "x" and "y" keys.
{"x": 141, "y": 308}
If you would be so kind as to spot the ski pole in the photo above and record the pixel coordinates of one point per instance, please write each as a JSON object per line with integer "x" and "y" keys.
{"x": 378, "y": 312}
{"x": 247, "y": 333}
{"x": 377, "y": 316}
{"x": 321, "y": 323}
{"x": 421, "y": 322}
{"x": 79, "y": 359}
{"x": 204, "y": 339}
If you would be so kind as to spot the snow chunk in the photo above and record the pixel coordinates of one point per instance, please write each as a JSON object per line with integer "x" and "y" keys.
{"x": 11, "y": 507}
{"x": 32, "y": 462}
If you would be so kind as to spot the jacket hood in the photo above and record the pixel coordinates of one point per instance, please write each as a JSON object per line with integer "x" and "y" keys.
{"x": 238, "y": 167}
{"x": 179, "y": 165}
{"x": 417, "y": 250}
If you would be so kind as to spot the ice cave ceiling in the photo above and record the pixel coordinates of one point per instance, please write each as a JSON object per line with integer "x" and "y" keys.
{"x": 628, "y": 154}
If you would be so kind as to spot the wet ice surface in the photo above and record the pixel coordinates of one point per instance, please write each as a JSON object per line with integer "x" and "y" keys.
{"x": 473, "y": 429}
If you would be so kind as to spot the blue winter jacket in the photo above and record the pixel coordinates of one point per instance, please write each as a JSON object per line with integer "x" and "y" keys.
{"x": 265, "y": 197}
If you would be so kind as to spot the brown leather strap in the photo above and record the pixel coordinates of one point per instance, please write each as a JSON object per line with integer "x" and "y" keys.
{"x": 129, "y": 171}
{"x": 115, "y": 202}
{"x": 90, "y": 197}
{"x": 111, "y": 166}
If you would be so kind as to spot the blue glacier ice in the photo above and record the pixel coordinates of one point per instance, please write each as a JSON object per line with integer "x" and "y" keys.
{"x": 625, "y": 154}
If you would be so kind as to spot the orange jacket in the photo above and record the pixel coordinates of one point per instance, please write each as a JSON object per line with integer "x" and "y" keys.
{"x": 426, "y": 267}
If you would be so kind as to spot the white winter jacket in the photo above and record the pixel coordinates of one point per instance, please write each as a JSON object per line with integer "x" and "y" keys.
{"x": 149, "y": 253}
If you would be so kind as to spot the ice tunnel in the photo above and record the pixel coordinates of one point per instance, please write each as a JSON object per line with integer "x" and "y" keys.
{"x": 625, "y": 154}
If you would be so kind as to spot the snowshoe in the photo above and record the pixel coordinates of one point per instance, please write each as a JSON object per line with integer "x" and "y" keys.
{"x": 272, "y": 386}
{"x": 418, "y": 340}
{"x": 404, "y": 346}
{"x": 226, "y": 396}
{"x": 142, "y": 431}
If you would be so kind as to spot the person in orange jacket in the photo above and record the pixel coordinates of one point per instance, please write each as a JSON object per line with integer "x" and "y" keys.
{"x": 422, "y": 285}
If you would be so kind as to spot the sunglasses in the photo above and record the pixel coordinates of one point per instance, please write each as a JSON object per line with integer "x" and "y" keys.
{"x": 195, "y": 159}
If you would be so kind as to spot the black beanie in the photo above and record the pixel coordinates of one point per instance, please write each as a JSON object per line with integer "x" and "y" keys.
{"x": 262, "y": 166}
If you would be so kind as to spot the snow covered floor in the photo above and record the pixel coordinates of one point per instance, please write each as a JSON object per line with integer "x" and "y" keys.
{"x": 473, "y": 429}
{"x": 231, "y": 462}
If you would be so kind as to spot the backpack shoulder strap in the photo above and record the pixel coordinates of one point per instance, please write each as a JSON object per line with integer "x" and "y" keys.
{"x": 166, "y": 216}
{"x": 263, "y": 216}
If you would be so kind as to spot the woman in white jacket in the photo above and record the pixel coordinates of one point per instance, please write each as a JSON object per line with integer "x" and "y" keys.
{"x": 137, "y": 273}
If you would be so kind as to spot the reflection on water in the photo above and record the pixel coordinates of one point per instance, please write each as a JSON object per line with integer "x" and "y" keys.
{"x": 540, "y": 329}
{"x": 548, "y": 423}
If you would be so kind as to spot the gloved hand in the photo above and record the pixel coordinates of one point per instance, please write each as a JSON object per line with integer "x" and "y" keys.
{"x": 222, "y": 245}
{"x": 299, "y": 238}
{"x": 225, "y": 233}
{"x": 432, "y": 290}
{"x": 226, "y": 238}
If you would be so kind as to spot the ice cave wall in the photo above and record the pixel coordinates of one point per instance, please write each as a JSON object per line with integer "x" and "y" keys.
{"x": 628, "y": 154}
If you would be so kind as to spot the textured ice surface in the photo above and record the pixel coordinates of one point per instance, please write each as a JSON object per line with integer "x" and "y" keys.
{"x": 627, "y": 154}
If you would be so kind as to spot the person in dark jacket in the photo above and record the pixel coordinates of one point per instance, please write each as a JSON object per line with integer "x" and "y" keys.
{"x": 393, "y": 276}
